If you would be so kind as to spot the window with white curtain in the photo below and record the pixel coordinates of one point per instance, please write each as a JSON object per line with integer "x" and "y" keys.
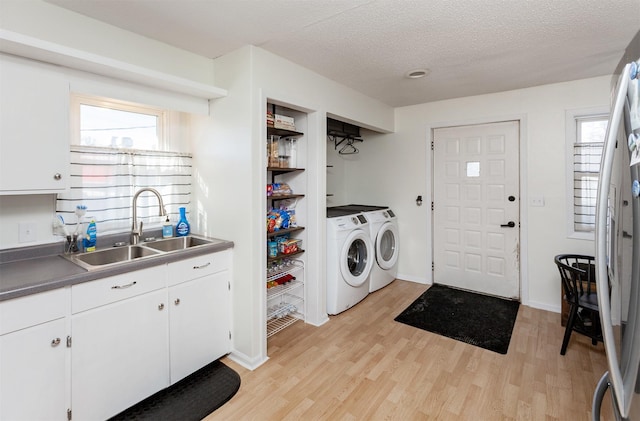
{"x": 118, "y": 148}
{"x": 587, "y": 139}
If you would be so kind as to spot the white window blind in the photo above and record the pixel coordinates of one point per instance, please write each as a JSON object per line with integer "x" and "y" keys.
{"x": 587, "y": 151}
{"x": 586, "y": 169}
{"x": 105, "y": 181}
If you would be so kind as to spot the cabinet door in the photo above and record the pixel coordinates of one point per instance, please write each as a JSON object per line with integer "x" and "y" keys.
{"x": 34, "y": 127}
{"x": 119, "y": 355}
{"x": 33, "y": 373}
{"x": 199, "y": 323}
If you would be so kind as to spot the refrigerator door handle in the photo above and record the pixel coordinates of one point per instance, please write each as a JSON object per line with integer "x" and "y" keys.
{"x": 598, "y": 396}
{"x": 602, "y": 203}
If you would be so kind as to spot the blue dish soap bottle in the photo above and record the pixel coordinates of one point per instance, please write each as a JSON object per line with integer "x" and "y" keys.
{"x": 89, "y": 241}
{"x": 183, "y": 228}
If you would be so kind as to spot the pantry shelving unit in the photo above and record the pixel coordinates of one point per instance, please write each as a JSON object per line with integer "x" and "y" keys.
{"x": 286, "y": 301}
{"x": 286, "y": 306}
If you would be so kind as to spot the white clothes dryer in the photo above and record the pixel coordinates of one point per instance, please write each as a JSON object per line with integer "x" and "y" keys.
{"x": 383, "y": 225}
{"x": 350, "y": 257}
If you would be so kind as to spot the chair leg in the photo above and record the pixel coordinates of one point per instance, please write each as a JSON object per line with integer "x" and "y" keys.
{"x": 573, "y": 311}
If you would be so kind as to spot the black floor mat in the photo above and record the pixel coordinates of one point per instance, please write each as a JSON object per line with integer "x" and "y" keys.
{"x": 476, "y": 319}
{"x": 192, "y": 398}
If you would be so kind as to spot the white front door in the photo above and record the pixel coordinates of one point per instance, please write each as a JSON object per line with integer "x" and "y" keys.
{"x": 476, "y": 208}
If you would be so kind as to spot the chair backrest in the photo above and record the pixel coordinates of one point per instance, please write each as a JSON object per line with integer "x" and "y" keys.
{"x": 578, "y": 273}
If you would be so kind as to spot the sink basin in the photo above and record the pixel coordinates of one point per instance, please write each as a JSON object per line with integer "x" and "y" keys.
{"x": 113, "y": 255}
{"x": 177, "y": 243}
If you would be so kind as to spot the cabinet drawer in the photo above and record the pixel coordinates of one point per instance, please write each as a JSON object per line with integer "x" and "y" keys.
{"x": 196, "y": 267}
{"x": 115, "y": 288}
{"x": 32, "y": 310}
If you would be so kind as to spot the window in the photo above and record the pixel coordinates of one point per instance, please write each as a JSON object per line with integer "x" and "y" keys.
{"x": 585, "y": 132}
{"x": 118, "y": 148}
{"x": 114, "y": 124}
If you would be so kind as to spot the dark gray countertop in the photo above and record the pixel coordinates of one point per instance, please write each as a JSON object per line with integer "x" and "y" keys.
{"x": 29, "y": 270}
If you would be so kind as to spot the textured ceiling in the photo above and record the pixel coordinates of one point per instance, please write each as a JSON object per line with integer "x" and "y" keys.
{"x": 471, "y": 47}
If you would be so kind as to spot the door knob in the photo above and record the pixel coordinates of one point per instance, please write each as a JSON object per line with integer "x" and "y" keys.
{"x": 509, "y": 224}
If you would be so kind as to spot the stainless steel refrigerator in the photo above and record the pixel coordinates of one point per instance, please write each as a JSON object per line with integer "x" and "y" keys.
{"x": 618, "y": 243}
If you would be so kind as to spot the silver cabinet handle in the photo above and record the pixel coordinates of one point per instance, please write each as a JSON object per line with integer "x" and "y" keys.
{"x": 161, "y": 306}
{"x": 202, "y": 266}
{"x": 57, "y": 176}
{"x": 177, "y": 301}
{"x": 55, "y": 342}
{"x": 124, "y": 286}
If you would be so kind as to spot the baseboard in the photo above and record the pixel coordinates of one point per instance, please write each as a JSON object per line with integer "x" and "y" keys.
{"x": 416, "y": 279}
{"x": 245, "y": 361}
{"x": 543, "y": 306}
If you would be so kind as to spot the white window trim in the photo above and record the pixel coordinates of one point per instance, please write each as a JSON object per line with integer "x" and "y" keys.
{"x": 79, "y": 99}
{"x": 570, "y": 139}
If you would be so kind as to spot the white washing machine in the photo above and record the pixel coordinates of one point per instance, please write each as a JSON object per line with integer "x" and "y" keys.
{"x": 350, "y": 258}
{"x": 383, "y": 226}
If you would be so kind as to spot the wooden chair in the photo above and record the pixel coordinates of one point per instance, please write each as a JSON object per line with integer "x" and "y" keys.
{"x": 578, "y": 276}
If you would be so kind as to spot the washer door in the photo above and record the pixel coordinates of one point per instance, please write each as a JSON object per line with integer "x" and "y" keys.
{"x": 387, "y": 245}
{"x": 356, "y": 258}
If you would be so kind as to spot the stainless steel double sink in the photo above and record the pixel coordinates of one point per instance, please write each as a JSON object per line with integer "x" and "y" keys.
{"x": 127, "y": 253}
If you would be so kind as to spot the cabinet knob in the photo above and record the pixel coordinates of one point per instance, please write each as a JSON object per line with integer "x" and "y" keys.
{"x": 161, "y": 306}
{"x": 177, "y": 301}
{"x": 57, "y": 176}
{"x": 55, "y": 342}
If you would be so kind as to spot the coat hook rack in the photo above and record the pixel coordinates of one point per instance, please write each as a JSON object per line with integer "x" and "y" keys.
{"x": 346, "y": 141}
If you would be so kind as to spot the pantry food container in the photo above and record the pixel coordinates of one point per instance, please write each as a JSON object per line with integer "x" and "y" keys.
{"x": 290, "y": 246}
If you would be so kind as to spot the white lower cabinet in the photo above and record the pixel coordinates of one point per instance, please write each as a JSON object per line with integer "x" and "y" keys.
{"x": 94, "y": 349}
{"x": 33, "y": 373}
{"x": 198, "y": 323}
{"x": 119, "y": 355}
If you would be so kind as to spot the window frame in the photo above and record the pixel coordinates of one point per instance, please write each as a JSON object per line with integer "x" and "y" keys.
{"x": 571, "y": 135}
{"x": 79, "y": 99}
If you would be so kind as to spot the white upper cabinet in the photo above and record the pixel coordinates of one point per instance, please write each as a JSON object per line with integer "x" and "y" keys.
{"x": 34, "y": 127}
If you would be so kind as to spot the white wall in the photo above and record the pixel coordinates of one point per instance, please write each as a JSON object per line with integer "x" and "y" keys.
{"x": 230, "y": 158}
{"x": 393, "y": 169}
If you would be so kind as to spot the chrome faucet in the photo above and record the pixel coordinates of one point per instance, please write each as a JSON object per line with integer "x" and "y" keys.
{"x": 135, "y": 231}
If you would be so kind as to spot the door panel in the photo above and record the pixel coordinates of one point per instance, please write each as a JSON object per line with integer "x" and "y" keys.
{"x": 476, "y": 208}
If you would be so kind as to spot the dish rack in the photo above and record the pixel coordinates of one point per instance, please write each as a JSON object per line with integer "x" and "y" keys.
{"x": 285, "y": 302}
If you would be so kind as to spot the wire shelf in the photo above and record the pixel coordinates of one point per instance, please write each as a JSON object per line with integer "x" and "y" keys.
{"x": 288, "y": 304}
{"x": 294, "y": 266}
{"x": 283, "y": 289}
{"x": 276, "y": 325}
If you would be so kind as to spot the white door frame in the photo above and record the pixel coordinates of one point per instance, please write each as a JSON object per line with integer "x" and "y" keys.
{"x": 523, "y": 208}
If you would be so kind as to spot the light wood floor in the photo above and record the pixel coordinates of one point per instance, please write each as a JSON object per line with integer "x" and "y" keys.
{"x": 362, "y": 365}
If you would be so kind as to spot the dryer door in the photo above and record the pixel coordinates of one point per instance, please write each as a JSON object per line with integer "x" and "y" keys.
{"x": 387, "y": 245}
{"x": 356, "y": 258}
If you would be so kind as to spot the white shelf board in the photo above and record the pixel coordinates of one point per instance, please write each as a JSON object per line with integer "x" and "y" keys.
{"x": 49, "y": 52}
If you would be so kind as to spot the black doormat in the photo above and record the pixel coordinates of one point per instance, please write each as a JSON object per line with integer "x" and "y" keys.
{"x": 192, "y": 398}
{"x": 476, "y": 319}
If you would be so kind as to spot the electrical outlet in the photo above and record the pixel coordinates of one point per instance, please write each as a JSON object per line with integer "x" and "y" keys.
{"x": 537, "y": 201}
{"x": 27, "y": 232}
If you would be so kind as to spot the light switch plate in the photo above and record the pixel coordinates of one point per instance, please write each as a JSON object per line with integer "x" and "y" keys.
{"x": 27, "y": 233}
